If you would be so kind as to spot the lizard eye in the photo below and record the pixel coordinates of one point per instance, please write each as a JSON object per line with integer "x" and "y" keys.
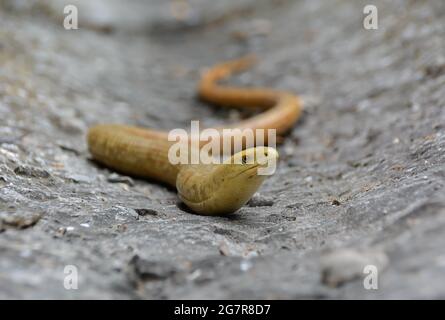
{"x": 244, "y": 159}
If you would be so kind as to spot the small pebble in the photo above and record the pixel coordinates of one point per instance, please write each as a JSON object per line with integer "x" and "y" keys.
{"x": 29, "y": 171}
{"x": 259, "y": 200}
{"x": 343, "y": 265}
{"x": 117, "y": 178}
{"x": 122, "y": 227}
{"x": 245, "y": 265}
{"x": 224, "y": 249}
{"x": 146, "y": 212}
{"x": 141, "y": 269}
{"x": 60, "y": 232}
{"x": 194, "y": 275}
{"x": 19, "y": 221}
{"x": 80, "y": 178}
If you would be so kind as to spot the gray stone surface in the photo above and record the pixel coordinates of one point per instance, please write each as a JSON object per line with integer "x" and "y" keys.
{"x": 363, "y": 172}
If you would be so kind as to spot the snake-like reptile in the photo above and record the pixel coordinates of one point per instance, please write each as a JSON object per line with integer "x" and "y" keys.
{"x": 207, "y": 189}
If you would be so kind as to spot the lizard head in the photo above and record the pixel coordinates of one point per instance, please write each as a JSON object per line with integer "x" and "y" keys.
{"x": 230, "y": 185}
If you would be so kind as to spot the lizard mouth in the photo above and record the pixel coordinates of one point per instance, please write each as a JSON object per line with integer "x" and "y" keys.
{"x": 246, "y": 170}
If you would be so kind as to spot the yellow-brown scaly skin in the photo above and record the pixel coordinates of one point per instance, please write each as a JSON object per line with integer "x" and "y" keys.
{"x": 214, "y": 189}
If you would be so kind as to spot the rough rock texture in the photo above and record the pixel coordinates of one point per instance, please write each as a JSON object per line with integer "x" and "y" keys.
{"x": 363, "y": 172}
